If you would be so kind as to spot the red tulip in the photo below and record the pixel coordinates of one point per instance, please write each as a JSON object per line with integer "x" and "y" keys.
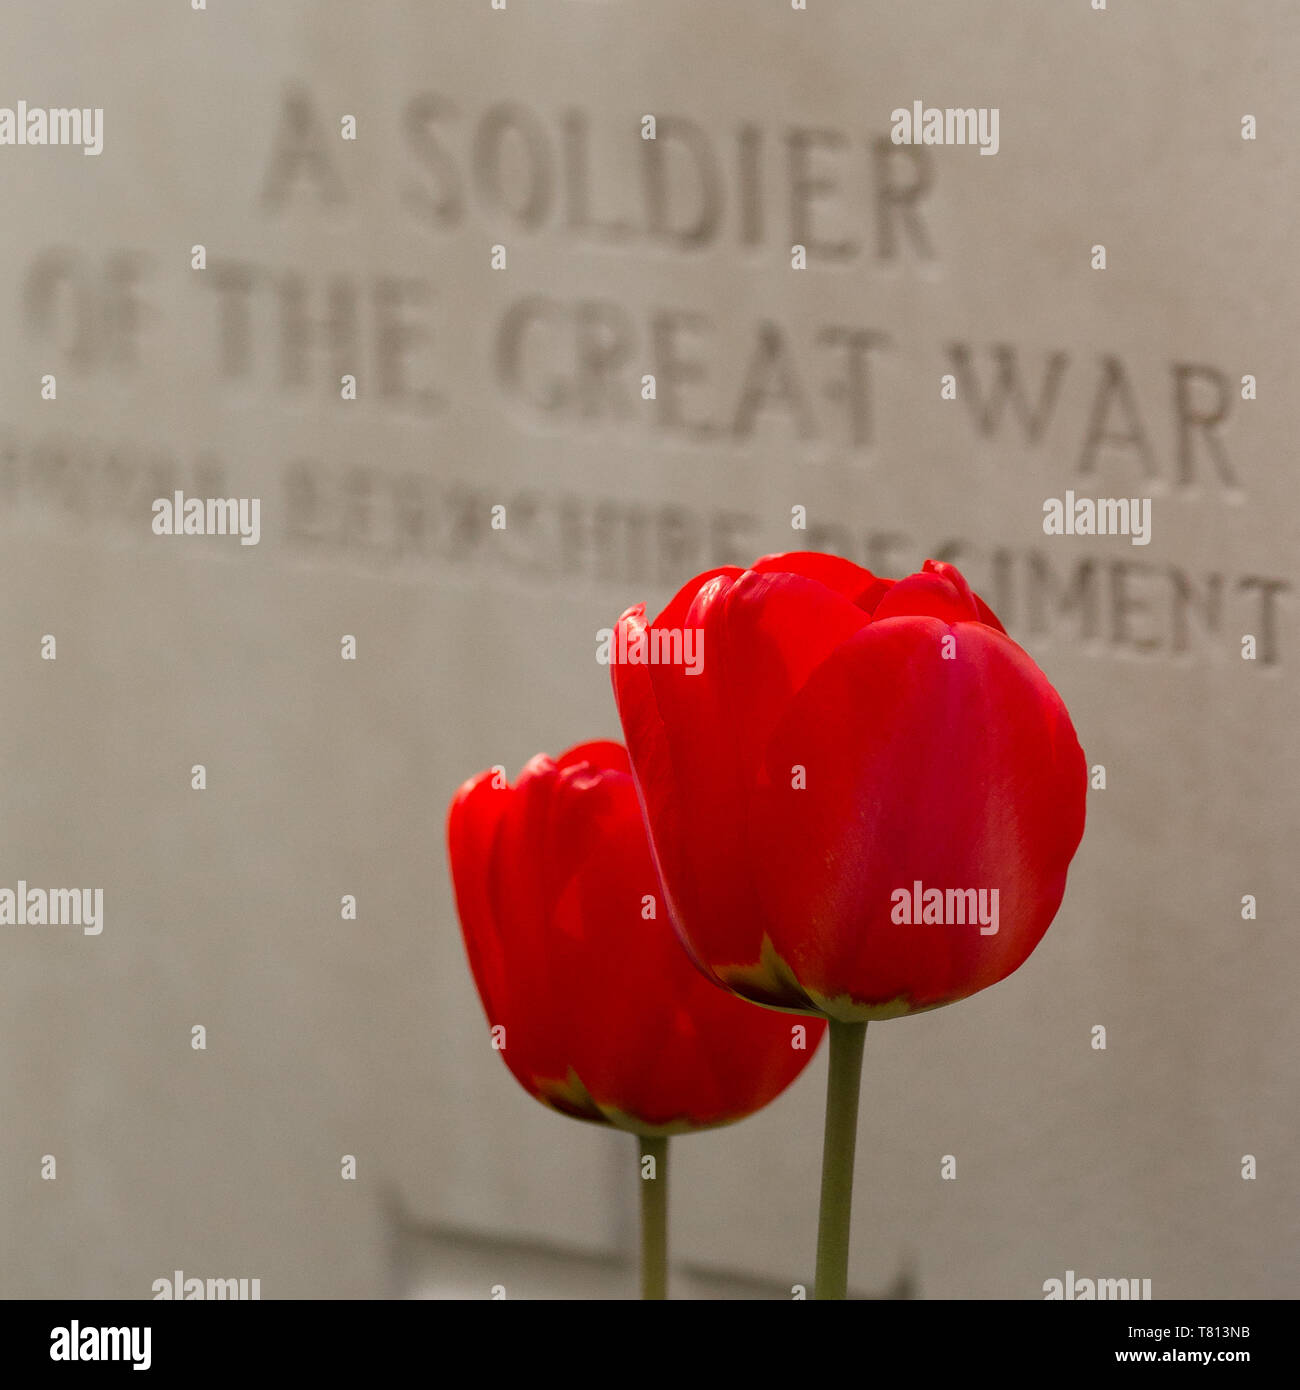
{"x": 604, "y": 1016}
{"x": 847, "y": 739}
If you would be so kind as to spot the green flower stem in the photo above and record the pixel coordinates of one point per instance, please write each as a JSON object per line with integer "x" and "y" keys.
{"x": 654, "y": 1216}
{"x": 842, "y": 1086}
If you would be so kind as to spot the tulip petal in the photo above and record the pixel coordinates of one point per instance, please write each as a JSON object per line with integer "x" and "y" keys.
{"x": 472, "y": 825}
{"x": 939, "y": 590}
{"x": 832, "y": 571}
{"x": 697, "y": 761}
{"x": 955, "y": 774}
{"x": 958, "y": 581}
{"x": 607, "y": 1019}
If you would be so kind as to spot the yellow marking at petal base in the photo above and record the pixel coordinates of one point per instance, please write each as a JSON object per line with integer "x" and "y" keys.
{"x": 570, "y": 1097}
{"x": 770, "y": 982}
{"x": 630, "y": 1123}
{"x": 848, "y": 1010}
{"x": 773, "y": 985}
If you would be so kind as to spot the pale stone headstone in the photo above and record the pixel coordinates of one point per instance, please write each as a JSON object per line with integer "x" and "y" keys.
{"x": 458, "y": 309}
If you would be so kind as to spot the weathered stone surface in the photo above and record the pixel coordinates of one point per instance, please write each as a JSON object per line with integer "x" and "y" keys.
{"x": 776, "y": 388}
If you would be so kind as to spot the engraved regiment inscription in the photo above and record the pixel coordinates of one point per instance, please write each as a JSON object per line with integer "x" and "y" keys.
{"x": 818, "y": 387}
